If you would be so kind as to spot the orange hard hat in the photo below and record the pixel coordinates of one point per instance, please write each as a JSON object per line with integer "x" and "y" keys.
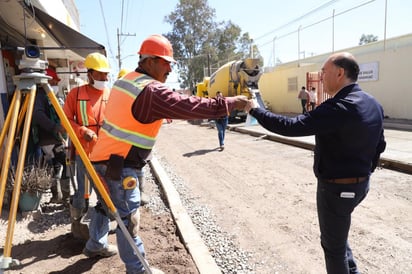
{"x": 157, "y": 45}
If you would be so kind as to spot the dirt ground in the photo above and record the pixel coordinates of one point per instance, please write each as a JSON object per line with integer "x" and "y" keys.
{"x": 43, "y": 243}
{"x": 263, "y": 194}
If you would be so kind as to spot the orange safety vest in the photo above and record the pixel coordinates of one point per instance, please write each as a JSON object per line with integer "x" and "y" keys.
{"x": 85, "y": 115}
{"x": 120, "y": 130}
{"x": 84, "y": 111}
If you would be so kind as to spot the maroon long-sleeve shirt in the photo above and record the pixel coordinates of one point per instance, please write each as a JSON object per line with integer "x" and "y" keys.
{"x": 157, "y": 101}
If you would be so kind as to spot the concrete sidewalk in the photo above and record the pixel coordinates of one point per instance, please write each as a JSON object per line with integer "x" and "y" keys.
{"x": 398, "y": 134}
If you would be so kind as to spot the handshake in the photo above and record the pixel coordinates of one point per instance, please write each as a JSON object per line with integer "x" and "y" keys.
{"x": 245, "y": 104}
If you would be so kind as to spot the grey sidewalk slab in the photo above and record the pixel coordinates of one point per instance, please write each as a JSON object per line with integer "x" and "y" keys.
{"x": 398, "y": 153}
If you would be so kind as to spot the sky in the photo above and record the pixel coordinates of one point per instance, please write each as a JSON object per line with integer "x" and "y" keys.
{"x": 282, "y": 32}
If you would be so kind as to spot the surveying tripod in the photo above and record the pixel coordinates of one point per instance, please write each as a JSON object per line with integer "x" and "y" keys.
{"x": 26, "y": 84}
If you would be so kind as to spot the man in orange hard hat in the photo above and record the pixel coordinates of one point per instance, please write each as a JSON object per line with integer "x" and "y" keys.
{"x": 138, "y": 103}
{"x": 84, "y": 108}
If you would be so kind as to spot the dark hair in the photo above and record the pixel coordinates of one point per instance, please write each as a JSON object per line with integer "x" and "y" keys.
{"x": 350, "y": 66}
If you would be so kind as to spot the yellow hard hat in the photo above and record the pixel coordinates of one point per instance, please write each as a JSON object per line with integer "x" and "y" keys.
{"x": 122, "y": 73}
{"x": 97, "y": 61}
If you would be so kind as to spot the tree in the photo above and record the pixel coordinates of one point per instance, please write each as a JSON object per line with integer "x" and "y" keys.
{"x": 192, "y": 26}
{"x": 369, "y": 38}
{"x": 249, "y": 50}
{"x": 199, "y": 42}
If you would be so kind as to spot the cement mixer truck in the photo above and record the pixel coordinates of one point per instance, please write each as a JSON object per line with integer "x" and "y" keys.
{"x": 233, "y": 78}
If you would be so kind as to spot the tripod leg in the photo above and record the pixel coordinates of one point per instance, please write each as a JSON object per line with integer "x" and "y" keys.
{"x": 93, "y": 174}
{"x": 88, "y": 165}
{"x": 19, "y": 171}
{"x": 11, "y": 127}
{"x": 23, "y": 111}
{"x": 7, "y": 121}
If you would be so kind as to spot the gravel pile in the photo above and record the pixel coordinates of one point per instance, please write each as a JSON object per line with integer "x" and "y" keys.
{"x": 222, "y": 245}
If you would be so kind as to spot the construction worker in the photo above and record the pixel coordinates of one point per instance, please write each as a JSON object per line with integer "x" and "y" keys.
{"x": 122, "y": 73}
{"x": 144, "y": 196}
{"x": 84, "y": 108}
{"x": 134, "y": 114}
{"x": 47, "y": 134}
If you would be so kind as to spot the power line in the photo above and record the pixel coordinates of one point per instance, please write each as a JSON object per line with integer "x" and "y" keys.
{"x": 121, "y": 18}
{"x": 322, "y": 6}
{"x": 313, "y": 24}
{"x": 325, "y": 5}
{"x": 105, "y": 27}
{"x": 120, "y": 34}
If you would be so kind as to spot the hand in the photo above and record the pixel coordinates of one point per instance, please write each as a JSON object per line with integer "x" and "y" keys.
{"x": 240, "y": 102}
{"x": 252, "y": 103}
{"x": 59, "y": 129}
{"x": 89, "y": 135}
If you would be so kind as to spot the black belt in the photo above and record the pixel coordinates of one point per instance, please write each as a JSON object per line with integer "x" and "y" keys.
{"x": 354, "y": 180}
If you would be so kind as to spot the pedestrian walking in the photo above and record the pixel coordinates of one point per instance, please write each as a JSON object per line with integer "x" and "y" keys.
{"x": 313, "y": 98}
{"x": 304, "y": 97}
{"x": 221, "y": 124}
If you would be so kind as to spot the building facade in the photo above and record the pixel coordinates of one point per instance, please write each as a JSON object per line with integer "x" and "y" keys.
{"x": 53, "y": 27}
{"x": 384, "y": 73}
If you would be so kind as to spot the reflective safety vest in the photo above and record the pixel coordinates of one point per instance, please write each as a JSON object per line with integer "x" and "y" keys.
{"x": 120, "y": 130}
{"x": 85, "y": 115}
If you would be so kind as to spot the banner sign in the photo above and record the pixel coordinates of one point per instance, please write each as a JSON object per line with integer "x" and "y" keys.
{"x": 368, "y": 72}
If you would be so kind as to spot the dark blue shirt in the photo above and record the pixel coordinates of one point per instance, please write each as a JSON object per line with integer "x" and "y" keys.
{"x": 348, "y": 131}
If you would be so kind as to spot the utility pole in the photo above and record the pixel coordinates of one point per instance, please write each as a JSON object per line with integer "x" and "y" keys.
{"x": 118, "y": 46}
{"x": 208, "y": 64}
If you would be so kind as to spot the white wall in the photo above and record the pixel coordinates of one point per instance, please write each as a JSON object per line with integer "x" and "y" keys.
{"x": 392, "y": 88}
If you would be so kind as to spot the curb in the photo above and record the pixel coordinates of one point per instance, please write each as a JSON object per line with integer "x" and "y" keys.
{"x": 383, "y": 162}
{"x": 188, "y": 232}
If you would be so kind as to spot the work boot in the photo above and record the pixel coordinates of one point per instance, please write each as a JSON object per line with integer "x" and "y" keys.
{"x": 108, "y": 251}
{"x": 79, "y": 229}
{"x": 65, "y": 187}
{"x": 144, "y": 197}
{"x": 57, "y": 196}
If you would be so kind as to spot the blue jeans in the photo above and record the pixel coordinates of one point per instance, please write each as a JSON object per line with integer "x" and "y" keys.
{"x": 303, "y": 103}
{"x": 78, "y": 197}
{"x": 334, "y": 213}
{"x": 221, "y": 125}
{"x": 126, "y": 202}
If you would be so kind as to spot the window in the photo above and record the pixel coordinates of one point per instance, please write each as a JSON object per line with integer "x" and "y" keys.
{"x": 292, "y": 84}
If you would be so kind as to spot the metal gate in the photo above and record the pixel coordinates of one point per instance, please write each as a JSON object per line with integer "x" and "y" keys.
{"x": 313, "y": 79}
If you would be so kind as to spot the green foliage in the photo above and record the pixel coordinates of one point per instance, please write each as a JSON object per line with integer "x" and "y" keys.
{"x": 200, "y": 44}
{"x": 367, "y": 38}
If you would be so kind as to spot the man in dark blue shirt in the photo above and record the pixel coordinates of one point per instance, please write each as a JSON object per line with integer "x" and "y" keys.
{"x": 348, "y": 131}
